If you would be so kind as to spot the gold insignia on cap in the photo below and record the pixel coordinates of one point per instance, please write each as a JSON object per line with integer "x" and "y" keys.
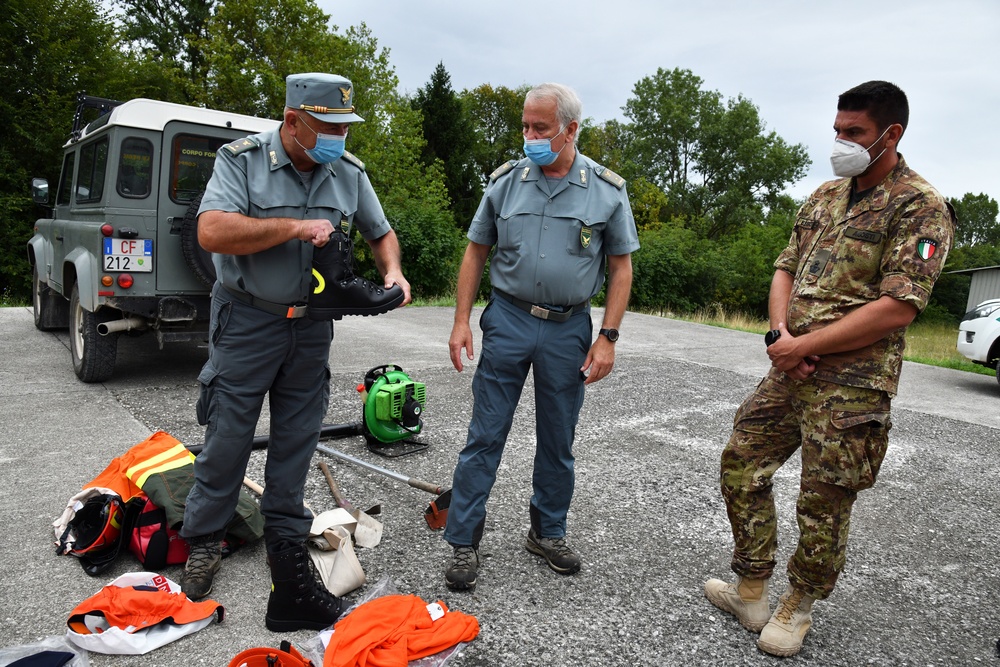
{"x": 321, "y": 109}
{"x": 345, "y": 95}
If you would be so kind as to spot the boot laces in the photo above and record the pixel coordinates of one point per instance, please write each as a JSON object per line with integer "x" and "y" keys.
{"x": 465, "y": 558}
{"x": 789, "y": 606}
{"x": 312, "y": 587}
{"x": 201, "y": 557}
{"x": 557, "y": 545}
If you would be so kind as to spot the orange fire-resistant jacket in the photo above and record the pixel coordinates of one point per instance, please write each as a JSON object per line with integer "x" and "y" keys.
{"x": 391, "y": 630}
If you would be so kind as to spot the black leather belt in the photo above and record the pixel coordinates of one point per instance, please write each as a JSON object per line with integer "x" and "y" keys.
{"x": 281, "y": 310}
{"x": 541, "y": 312}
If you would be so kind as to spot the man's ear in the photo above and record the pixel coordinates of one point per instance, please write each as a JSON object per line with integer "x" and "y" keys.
{"x": 894, "y": 134}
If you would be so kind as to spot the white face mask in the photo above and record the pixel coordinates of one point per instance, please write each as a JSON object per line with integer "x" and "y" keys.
{"x": 851, "y": 159}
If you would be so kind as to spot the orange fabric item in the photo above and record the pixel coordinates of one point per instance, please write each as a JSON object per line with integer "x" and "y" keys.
{"x": 391, "y": 630}
{"x": 131, "y": 609}
{"x": 126, "y": 474}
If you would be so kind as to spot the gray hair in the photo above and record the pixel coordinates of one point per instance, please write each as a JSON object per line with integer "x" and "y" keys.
{"x": 568, "y": 104}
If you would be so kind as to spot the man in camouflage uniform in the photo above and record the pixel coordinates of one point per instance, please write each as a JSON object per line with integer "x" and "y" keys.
{"x": 863, "y": 257}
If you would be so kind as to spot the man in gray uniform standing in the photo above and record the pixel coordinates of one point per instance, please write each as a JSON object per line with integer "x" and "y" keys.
{"x": 274, "y": 200}
{"x": 557, "y": 220}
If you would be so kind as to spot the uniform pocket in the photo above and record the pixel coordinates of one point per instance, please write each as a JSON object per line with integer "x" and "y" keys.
{"x": 205, "y": 406}
{"x": 859, "y": 442}
{"x": 585, "y": 238}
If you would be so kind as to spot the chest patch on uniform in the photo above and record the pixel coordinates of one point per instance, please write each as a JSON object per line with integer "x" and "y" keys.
{"x": 242, "y": 146}
{"x": 586, "y": 233}
{"x": 819, "y": 261}
{"x": 926, "y": 248}
{"x": 863, "y": 235}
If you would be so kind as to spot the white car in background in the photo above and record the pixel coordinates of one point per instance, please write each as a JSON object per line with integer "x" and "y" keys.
{"x": 979, "y": 335}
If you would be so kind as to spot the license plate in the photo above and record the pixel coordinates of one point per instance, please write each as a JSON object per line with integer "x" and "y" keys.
{"x": 128, "y": 255}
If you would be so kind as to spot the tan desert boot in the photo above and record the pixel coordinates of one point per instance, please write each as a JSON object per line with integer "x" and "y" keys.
{"x": 783, "y": 634}
{"x": 746, "y": 600}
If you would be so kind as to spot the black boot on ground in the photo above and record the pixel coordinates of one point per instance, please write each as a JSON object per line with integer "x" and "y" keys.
{"x": 298, "y": 600}
{"x": 336, "y": 291}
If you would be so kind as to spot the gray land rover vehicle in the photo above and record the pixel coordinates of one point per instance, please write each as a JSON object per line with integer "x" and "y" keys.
{"x": 119, "y": 252}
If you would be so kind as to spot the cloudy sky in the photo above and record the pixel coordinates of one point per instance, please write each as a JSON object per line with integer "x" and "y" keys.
{"x": 791, "y": 58}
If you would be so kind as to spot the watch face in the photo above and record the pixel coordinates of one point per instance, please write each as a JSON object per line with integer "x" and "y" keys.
{"x": 612, "y": 334}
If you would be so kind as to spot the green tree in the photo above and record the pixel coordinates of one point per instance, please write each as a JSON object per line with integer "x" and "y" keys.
{"x": 713, "y": 158}
{"x": 167, "y": 36}
{"x": 977, "y": 220}
{"x": 51, "y": 51}
{"x": 495, "y": 114}
{"x": 450, "y": 139}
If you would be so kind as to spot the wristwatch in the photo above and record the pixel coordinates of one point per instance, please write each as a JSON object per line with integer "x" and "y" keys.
{"x": 771, "y": 336}
{"x": 610, "y": 334}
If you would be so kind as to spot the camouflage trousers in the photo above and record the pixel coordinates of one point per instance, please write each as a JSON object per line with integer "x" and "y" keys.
{"x": 842, "y": 433}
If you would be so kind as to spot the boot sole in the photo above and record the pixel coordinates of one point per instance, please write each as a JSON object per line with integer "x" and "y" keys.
{"x": 538, "y": 551}
{"x": 325, "y": 314}
{"x": 275, "y": 625}
{"x": 780, "y": 651}
{"x": 460, "y": 585}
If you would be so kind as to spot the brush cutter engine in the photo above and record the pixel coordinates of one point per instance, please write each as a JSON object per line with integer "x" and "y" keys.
{"x": 393, "y": 404}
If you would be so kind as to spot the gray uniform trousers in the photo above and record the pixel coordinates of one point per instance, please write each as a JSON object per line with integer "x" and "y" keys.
{"x": 253, "y": 353}
{"x": 513, "y": 342}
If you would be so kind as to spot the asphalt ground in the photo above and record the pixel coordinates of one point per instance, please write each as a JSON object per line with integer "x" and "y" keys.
{"x": 921, "y": 580}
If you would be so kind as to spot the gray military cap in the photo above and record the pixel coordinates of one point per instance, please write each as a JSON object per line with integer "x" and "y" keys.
{"x": 328, "y": 97}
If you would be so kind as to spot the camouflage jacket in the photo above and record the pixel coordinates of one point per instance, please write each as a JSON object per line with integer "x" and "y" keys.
{"x": 893, "y": 242}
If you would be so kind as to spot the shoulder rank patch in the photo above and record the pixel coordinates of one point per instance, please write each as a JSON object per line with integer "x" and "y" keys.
{"x": 502, "y": 169}
{"x": 354, "y": 159}
{"x": 242, "y": 145}
{"x": 611, "y": 177}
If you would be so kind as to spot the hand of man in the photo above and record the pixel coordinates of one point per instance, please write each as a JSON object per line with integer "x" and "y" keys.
{"x": 600, "y": 360}
{"x": 396, "y": 278}
{"x": 461, "y": 338}
{"x": 786, "y": 356}
{"x": 316, "y": 232}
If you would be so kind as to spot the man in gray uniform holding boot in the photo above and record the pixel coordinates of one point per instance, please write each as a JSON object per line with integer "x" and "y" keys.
{"x": 277, "y": 214}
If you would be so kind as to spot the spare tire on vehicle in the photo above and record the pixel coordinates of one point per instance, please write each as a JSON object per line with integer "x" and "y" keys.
{"x": 196, "y": 257}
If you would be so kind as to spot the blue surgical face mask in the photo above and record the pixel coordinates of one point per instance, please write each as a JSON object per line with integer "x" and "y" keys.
{"x": 329, "y": 147}
{"x": 540, "y": 151}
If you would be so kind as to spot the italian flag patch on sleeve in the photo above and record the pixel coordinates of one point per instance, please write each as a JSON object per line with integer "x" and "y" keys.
{"x": 926, "y": 248}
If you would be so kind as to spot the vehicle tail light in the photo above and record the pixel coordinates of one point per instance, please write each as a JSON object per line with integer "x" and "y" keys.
{"x": 107, "y": 229}
{"x": 107, "y": 280}
{"x": 125, "y": 280}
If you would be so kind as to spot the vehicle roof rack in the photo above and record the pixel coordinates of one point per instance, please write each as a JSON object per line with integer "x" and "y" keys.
{"x": 84, "y": 102}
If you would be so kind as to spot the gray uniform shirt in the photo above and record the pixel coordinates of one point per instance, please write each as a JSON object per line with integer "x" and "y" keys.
{"x": 259, "y": 181}
{"x": 551, "y": 245}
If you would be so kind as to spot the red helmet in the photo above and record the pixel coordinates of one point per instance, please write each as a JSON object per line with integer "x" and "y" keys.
{"x": 97, "y": 526}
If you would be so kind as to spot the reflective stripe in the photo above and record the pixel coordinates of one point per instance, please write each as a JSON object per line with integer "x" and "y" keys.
{"x": 175, "y": 457}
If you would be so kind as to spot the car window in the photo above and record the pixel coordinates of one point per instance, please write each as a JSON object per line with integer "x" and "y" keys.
{"x": 62, "y": 196}
{"x": 135, "y": 168}
{"x": 93, "y": 165}
{"x": 192, "y": 158}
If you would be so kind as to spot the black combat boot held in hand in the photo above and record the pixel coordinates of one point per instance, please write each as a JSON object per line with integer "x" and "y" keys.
{"x": 336, "y": 291}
